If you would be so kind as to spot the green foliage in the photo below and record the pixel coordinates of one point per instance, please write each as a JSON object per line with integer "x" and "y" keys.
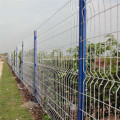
{"x": 20, "y": 58}
{"x": 46, "y": 117}
{"x": 98, "y": 55}
{"x": 63, "y": 67}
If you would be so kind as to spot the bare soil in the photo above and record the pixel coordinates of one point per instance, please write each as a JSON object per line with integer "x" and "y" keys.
{"x": 34, "y": 108}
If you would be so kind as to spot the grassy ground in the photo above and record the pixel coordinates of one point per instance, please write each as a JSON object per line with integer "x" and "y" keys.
{"x": 10, "y": 98}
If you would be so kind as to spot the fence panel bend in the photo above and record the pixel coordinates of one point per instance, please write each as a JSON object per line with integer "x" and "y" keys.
{"x": 57, "y": 51}
{"x": 102, "y": 81}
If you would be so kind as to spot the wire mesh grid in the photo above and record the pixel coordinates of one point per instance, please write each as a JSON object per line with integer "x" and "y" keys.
{"x": 28, "y": 64}
{"x": 57, "y": 49}
{"x": 10, "y": 58}
{"x": 58, "y": 61}
{"x": 19, "y": 61}
{"x": 102, "y": 91}
{"x": 13, "y": 60}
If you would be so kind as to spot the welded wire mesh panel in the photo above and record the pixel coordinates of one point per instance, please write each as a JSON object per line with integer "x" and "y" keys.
{"x": 16, "y": 62}
{"x": 102, "y": 93}
{"x": 57, "y": 62}
{"x": 11, "y": 60}
{"x": 8, "y": 58}
{"x": 19, "y": 61}
{"x": 28, "y": 64}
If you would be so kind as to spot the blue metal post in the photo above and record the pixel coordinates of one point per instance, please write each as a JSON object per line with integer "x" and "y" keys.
{"x": 82, "y": 60}
{"x": 22, "y": 61}
{"x": 35, "y": 64}
{"x": 16, "y": 61}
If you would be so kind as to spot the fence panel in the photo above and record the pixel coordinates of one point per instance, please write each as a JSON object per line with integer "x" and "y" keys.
{"x": 28, "y": 63}
{"x": 74, "y": 68}
{"x": 19, "y": 61}
{"x": 57, "y": 81}
{"x": 102, "y": 81}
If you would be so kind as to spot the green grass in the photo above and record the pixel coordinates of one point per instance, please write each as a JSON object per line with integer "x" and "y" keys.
{"x": 11, "y": 99}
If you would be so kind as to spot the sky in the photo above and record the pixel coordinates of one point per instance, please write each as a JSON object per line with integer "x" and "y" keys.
{"x": 19, "y": 19}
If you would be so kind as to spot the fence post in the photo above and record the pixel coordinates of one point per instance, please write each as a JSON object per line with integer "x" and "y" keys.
{"x": 82, "y": 60}
{"x": 22, "y": 61}
{"x": 35, "y": 64}
{"x": 16, "y": 61}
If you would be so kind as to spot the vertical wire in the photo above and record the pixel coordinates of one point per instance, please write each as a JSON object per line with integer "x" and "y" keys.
{"x": 104, "y": 68}
{"x": 117, "y": 65}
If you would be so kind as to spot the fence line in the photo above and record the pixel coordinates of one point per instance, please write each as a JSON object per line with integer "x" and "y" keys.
{"x": 72, "y": 66}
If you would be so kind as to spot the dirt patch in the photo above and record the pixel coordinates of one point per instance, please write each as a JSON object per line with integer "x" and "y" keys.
{"x": 28, "y": 98}
{"x": 30, "y": 105}
{"x": 1, "y": 67}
